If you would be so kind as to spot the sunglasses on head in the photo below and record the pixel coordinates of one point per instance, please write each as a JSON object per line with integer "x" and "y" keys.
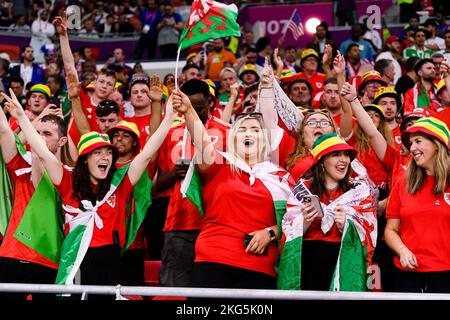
{"x": 106, "y": 104}
{"x": 251, "y": 115}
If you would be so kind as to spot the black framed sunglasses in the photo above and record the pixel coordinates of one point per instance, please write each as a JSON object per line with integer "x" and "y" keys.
{"x": 105, "y": 104}
{"x": 251, "y": 115}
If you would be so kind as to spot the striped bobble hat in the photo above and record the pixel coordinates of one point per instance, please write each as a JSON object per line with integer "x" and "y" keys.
{"x": 328, "y": 143}
{"x": 94, "y": 140}
{"x": 431, "y": 127}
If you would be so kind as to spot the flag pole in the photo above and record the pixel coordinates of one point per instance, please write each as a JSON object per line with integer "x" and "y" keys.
{"x": 289, "y": 21}
{"x": 176, "y": 68}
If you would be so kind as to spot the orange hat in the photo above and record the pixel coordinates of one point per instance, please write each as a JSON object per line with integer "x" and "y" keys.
{"x": 371, "y": 75}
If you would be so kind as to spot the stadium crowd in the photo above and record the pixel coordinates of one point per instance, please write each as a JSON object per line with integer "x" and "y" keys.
{"x": 294, "y": 149}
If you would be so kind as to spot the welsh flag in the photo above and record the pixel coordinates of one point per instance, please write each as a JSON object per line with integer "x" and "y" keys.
{"x": 80, "y": 225}
{"x": 357, "y": 247}
{"x": 41, "y": 225}
{"x": 191, "y": 187}
{"x": 209, "y": 20}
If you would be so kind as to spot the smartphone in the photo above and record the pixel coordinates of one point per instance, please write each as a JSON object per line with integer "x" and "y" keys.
{"x": 183, "y": 161}
{"x": 315, "y": 201}
{"x": 247, "y": 239}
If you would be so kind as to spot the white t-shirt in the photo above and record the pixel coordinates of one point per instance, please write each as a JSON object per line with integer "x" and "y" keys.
{"x": 436, "y": 40}
{"x": 26, "y": 73}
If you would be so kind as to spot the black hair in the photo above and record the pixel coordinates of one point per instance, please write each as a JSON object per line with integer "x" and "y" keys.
{"x": 262, "y": 43}
{"x": 62, "y": 126}
{"x": 250, "y": 89}
{"x": 350, "y": 46}
{"x": 58, "y": 79}
{"x": 299, "y": 80}
{"x": 106, "y": 107}
{"x": 16, "y": 79}
{"x": 81, "y": 183}
{"x": 290, "y": 48}
{"x": 318, "y": 183}
{"x": 381, "y": 65}
{"x": 411, "y": 63}
{"x": 190, "y": 66}
{"x": 195, "y": 86}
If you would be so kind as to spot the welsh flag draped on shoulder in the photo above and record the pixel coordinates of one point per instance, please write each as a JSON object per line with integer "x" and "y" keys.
{"x": 358, "y": 238}
{"x": 209, "y": 20}
{"x": 40, "y": 228}
{"x": 276, "y": 180}
{"x": 80, "y": 224}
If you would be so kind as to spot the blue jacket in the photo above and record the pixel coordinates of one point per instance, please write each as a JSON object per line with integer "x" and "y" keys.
{"x": 36, "y": 77}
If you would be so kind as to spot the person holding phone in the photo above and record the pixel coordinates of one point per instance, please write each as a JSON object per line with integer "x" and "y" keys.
{"x": 330, "y": 180}
{"x": 418, "y": 211}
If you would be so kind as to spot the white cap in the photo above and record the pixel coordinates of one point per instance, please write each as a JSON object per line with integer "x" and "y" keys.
{"x": 5, "y": 56}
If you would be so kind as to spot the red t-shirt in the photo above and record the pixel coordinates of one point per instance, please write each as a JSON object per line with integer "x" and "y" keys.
{"x": 337, "y": 122}
{"x": 301, "y": 166}
{"x": 284, "y": 149}
{"x": 316, "y": 81}
{"x": 374, "y": 166}
{"x": 89, "y": 111}
{"x": 315, "y": 232}
{"x": 181, "y": 213}
{"x": 112, "y": 212}
{"x": 444, "y": 116}
{"x": 143, "y": 124}
{"x": 397, "y": 138}
{"x": 234, "y": 208}
{"x": 424, "y": 224}
{"x": 395, "y": 164}
{"x": 139, "y": 242}
{"x": 23, "y": 191}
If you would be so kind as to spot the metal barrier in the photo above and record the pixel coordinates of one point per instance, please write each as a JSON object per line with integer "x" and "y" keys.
{"x": 120, "y": 291}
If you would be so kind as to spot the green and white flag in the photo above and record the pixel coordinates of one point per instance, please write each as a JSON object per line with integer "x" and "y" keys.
{"x": 5, "y": 196}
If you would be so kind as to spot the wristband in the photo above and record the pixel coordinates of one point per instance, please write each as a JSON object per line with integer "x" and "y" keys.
{"x": 271, "y": 234}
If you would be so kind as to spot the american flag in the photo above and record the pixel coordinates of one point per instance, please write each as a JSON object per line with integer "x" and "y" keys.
{"x": 296, "y": 26}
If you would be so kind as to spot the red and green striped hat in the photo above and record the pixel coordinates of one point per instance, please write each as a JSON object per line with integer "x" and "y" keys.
{"x": 431, "y": 127}
{"x": 328, "y": 143}
{"x": 94, "y": 140}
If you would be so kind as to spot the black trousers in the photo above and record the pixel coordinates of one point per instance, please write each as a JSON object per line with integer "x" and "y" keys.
{"x": 216, "y": 275}
{"x": 133, "y": 268}
{"x": 16, "y": 271}
{"x": 154, "y": 226}
{"x": 319, "y": 260}
{"x": 429, "y": 282}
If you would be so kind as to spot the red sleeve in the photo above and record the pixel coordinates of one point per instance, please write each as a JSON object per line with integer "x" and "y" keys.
{"x": 394, "y": 201}
{"x": 408, "y": 105}
{"x": 208, "y": 174}
{"x": 162, "y": 156}
{"x": 391, "y": 159}
{"x": 16, "y": 163}
{"x": 66, "y": 185}
{"x": 286, "y": 147}
{"x": 13, "y": 124}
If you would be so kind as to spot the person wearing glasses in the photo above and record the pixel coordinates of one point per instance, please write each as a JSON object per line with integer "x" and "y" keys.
{"x": 236, "y": 246}
{"x": 88, "y": 194}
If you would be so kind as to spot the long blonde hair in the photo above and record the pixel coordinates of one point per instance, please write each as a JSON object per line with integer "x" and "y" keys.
{"x": 301, "y": 150}
{"x": 265, "y": 151}
{"x": 416, "y": 176}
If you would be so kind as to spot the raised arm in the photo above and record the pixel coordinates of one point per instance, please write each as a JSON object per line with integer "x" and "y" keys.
{"x": 155, "y": 94}
{"x": 327, "y": 59}
{"x": 78, "y": 115}
{"x": 376, "y": 140}
{"x": 60, "y": 23}
{"x": 202, "y": 141}
{"x": 346, "y": 128}
{"x": 7, "y": 140}
{"x": 151, "y": 147}
{"x": 228, "y": 110}
{"x": 266, "y": 97}
{"x": 49, "y": 160}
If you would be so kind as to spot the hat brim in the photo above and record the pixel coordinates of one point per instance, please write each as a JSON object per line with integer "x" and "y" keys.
{"x": 248, "y": 71}
{"x": 369, "y": 107}
{"x": 363, "y": 84}
{"x": 405, "y": 136}
{"x": 336, "y": 148}
{"x": 100, "y": 145}
{"x": 390, "y": 95}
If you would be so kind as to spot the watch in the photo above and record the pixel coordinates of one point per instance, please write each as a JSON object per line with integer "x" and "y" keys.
{"x": 271, "y": 233}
